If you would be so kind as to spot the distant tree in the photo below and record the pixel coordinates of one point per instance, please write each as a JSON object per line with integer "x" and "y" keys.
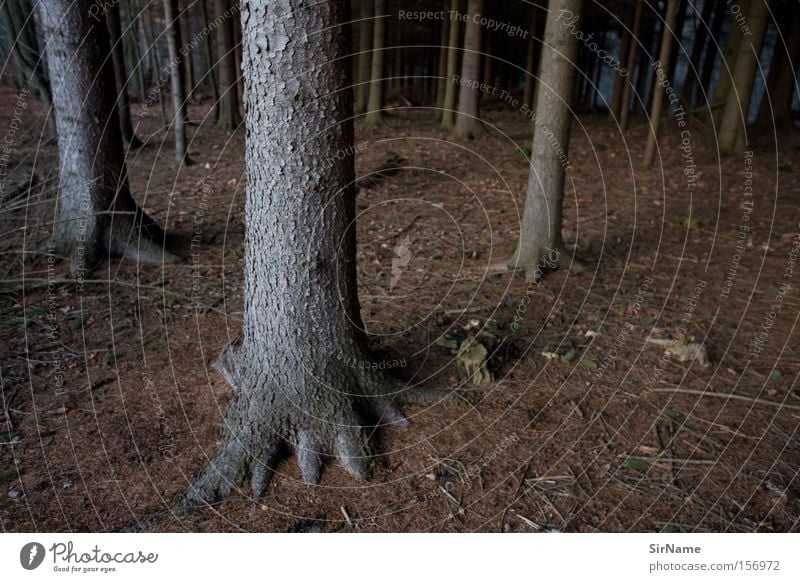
{"x": 703, "y": 31}
{"x": 97, "y": 215}
{"x": 468, "y": 123}
{"x": 540, "y": 244}
{"x": 441, "y": 69}
{"x": 776, "y": 106}
{"x": 375, "y": 104}
{"x": 20, "y": 26}
{"x": 620, "y": 78}
{"x": 530, "y": 60}
{"x": 732, "y": 46}
{"x": 625, "y": 104}
{"x": 120, "y": 75}
{"x": 228, "y": 116}
{"x": 662, "y": 76}
{"x": 177, "y": 87}
{"x": 364, "y": 59}
{"x": 731, "y": 137}
{"x": 291, "y": 372}
{"x": 449, "y": 105}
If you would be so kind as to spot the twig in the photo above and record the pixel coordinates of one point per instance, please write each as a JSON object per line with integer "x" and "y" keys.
{"x": 727, "y": 395}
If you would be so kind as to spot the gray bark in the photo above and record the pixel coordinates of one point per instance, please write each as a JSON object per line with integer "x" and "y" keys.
{"x": 732, "y": 46}
{"x": 375, "y": 105}
{"x": 228, "y": 116}
{"x": 97, "y": 216}
{"x": 540, "y": 244}
{"x": 468, "y": 123}
{"x": 177, "y": 87}
{"x": 301, "y": 325}
{"x": 737, "y": 106}
{"x": 661, "y": 76}
{"x": 449, "y": 105}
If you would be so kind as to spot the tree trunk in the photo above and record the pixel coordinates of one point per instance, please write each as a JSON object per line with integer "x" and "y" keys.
{"x": 737, "y": 106}
{"x": 228, "y": 116}
{"x": 530, "y": 62}
{"x": 659, "y": 78}
{"x": 364, "y": 55}
{"x": 209, "y": 54}
{"x": 20, "y": 26}
{"x": 468, "y": 123}
{"x": 174, "y": 44}
{"x": 625, "y": 105}
{"x": 97, "y": 216}
{"x": 540, "y": 234}
{"x": 449, "y": 105}
{"x": 712, "y": 51}
{"x": 292, "y": 380}
{"x": 732, "y": 46}
{"x": 375, "y": 104}
{"x": 619, "y": 78}
{"x": 120, "y": 76}
{"x": 441, "y": 70}
{"x": 701, "y": 36}
{"x": 776, "y": 106}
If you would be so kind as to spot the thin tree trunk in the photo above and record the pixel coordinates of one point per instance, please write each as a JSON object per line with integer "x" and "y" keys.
{"x": 212, "y": 69}
{"x": 182, "y": 21}
{"x": 625, "y": 105}
{"x": 290, "y": 372}
{"x": 621, "y": 76}
{"x": 712, "y": 51}
{"x": 364, "y": 55}
{"x": 659, "y": 78}
{"x": 375, "y": 104}
{"x": 228, "y": 116}
{"x": 701, "y": 36}
{"x": 177, "y": 86}
{"x": 449, "y": 105}
{"x": 120, "y": 76}
{"x": 776, "y": 106}
{"x": 530, "y": 61}
{"x": 97, "y": 216}
{"x": 488, "y": 69}
{"x": 441, "y": 71}
{"x": 540, "y": 235}
{"x": 732, "y": 127}
{"x": 468, "y": 123}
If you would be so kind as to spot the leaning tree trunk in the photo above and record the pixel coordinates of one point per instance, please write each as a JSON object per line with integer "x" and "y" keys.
{"x": 291, "y": 373}
{"x": 737, "y": 106}
{"x": 364, "y": 55}
{"x": 120, "y": 76}
{"x": 449, "y": 105}
{"x": 468, "y": 123}
{"x": 228, "y": 116}
{"x": 776, "y": 106}
{"x": 661, "y": 77}
{"x": 540, "y": 234}
{"x": 97, "y": 216}
{"x": 174, "y": 45}
{"x": 625, "y": 104}
{"x": 375, "y": 104}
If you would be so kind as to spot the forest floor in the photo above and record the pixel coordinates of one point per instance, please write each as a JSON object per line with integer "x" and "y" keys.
{"x": 112, "y": 407}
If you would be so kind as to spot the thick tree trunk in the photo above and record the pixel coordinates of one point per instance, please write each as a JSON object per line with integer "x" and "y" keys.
{"x": 290, "y": 371}
{"x": 659, "y": 78}
{"x": 174, "y": 45}
{"x": 441, "y": 70}
{"x": 625, "y": 105}
{"x": 776, "y": 106}
{"x": 737, "y": 106}
{"x": 364, "y": 59}
{"x": 449, "y": 105}
{"x": 120, "y": 76}
{"x": 540, "y": 233}
{"x": 732, "y": 46}
{"x": 228, "y": 116}
{"x": 530, "y": 61}
{"x": 375, "y": 104}
{"x": 468, "y": 123}
{"x": 97, "y": 216}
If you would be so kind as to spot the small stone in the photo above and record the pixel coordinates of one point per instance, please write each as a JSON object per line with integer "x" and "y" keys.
{"x": 14, "y": 494}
